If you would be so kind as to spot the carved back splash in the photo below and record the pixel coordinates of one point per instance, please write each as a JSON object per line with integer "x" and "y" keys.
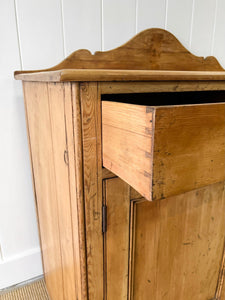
{"x": 151, "y": 49}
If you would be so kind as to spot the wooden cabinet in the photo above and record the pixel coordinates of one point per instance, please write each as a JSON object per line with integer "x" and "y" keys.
{"x": 127, "y": 152}
{"x": 169, "y": 249}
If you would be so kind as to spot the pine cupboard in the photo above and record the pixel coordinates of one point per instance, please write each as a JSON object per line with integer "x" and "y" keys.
{"x": 127, "y": 151}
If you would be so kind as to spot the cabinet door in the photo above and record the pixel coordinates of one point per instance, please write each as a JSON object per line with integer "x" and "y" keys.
{"x": 168, "y": 249}
{"x": 116, "y": 239}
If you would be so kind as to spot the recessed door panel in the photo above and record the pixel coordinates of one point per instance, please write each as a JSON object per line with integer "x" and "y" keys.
{"x": 168, "y": 249}
{"x": 178, "y": 245}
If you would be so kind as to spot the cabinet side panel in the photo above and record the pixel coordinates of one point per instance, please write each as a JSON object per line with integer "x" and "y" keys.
{"x": 37, "y": 107}
{"x": 179, "y": 244}
{"x": 92, "y": 165}
{"x": 117, "y": 238}
{"x": 189, "y": 148}
{"x": 56, "y": 98}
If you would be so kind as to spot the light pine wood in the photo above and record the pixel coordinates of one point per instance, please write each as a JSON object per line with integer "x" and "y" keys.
{"x": 164, "y": 151}
{"x": 160, "y": 86}
{"x": 32, "y": 167}
{"x": 73, "y": 129}
{"x": 107, "y": 174}
{"x": 117, "y": 238}
{"x": 223, "y": 291}
{"x": 151, "y": 49}
{"x": 36, "y": 99}
{"x": 91, "y": 138}
{"x": 125, "y": 126}
{"x": 134, "y": 194}
{"x": 220, "y": 284}
{"x": 62, "y": 188}
{"x": 178, "y": 245}
{"x": 167, "y": 249}
{"x": 49, "y": 112}
{"x": 189, "y": 149}
{"x": 122, "y": 75}
{"x": 132, "y": 225}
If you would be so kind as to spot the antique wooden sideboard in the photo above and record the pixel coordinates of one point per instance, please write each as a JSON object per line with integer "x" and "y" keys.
{"x": 127, "y": 150}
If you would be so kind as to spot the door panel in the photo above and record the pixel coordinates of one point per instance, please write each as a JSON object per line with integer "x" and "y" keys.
{"x": 179, "y": 245}
{"x": 175, "y": 246}
{"x": 117, "y": 238}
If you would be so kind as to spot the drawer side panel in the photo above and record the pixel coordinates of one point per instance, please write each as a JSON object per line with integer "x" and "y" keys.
{"x": 127, "y": 132}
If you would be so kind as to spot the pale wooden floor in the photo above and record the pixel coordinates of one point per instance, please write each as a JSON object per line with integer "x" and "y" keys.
{"x": 33, "y": 291}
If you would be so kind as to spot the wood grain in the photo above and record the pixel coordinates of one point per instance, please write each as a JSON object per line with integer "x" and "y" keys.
{"x": 179, "y": 245}
{"x": 74, "y": 148}
{"x": 117, "y": 238}
{"x": 167, "y": 249}
{"x": 122, "y": 75}
{"x": 223, "y": 291}
{"x": 53, "y": 128}
{"x": 188, "y": 142}
{"x": 127, "y": 143}
{"x": 56, "y": 95}
{"x": 160, "y": 86}
{"x": 92, "y": 165}
{"x": 220, "y": 283}
{"x": 26, "y": 92}
{"x": 189, "y": 148}
{"x": 151, "y": 49}
{"x": 132, "y": 227}
{"x": 134, "y": 194}
{"x": 107, "y": 174}
{"x": 36, "y": 99}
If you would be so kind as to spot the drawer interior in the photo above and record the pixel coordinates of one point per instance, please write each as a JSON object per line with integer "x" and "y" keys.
{"x": 167, "y": 98}
{"x": 164, "y": 144}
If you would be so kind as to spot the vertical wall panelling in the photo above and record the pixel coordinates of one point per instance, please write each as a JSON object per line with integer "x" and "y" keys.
{"x": 179, "y": 17}
{"x": 63, "y": 27}
{"x": 19, "y": 243}
{"x": 214, "y": 27}
{"x": 41, "y": 34}
{"x": 203, "y": 25}
{"x": 219, "y": 38}
{"x": 150, "y": 13}
{"x": 118, "y": 22}
{"x": 82, "y": 24}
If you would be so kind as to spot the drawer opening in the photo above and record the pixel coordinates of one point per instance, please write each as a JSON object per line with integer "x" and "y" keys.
{"x": 167, "y": 98}
{"x": 164, "y": 150}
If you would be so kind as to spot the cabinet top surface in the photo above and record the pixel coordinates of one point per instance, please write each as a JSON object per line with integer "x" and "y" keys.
{"x": 152, "y": 55}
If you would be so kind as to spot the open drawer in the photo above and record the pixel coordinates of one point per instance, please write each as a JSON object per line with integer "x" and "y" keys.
{"x": 164, "y": 150}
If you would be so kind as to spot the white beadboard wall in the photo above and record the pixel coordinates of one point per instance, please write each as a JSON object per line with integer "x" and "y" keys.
{"x": 40, "y": 33}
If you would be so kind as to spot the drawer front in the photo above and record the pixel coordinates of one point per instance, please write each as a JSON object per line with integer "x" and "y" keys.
{"x": 163, "y": 151}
